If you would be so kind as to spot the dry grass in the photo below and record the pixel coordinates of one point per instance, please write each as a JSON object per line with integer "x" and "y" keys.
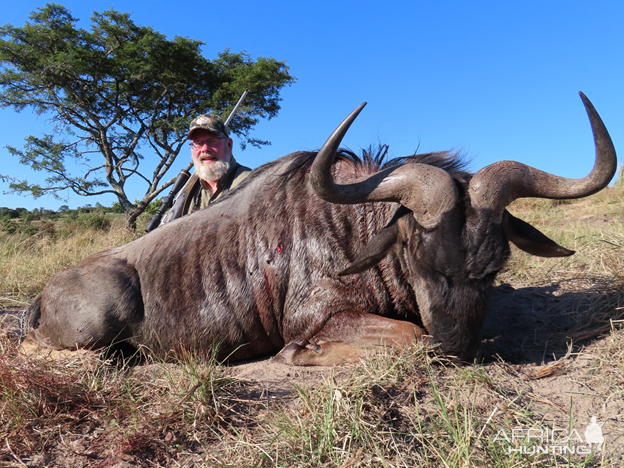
{"x": 396, "y": 409}
{"x": 593, "y": 227}
{"x": 561, "y": 361}
{"x": 590, "y": 283}
{"x": 88, "y": 411}
{"x": 27, "y": 262}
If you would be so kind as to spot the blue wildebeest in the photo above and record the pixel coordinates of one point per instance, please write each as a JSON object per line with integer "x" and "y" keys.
{"x": 320, "y": 259}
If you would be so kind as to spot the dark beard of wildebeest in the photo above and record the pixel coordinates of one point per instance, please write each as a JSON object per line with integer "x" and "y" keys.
{"x": 316, "y": 255}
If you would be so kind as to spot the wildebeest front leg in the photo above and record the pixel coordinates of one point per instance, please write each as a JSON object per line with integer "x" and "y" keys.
{"x": 348, "y": 336}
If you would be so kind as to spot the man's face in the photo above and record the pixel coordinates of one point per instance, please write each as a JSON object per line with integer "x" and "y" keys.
{"x": 211, "y": 154}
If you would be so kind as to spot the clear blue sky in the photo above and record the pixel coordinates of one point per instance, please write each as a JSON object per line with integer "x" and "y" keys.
{"x": 494, "y": 79}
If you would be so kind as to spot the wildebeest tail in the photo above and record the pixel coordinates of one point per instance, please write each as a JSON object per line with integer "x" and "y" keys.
{"x": 33, "y": 314}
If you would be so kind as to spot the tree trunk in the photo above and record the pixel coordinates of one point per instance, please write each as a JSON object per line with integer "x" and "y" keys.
{"x": 131, "y": 218}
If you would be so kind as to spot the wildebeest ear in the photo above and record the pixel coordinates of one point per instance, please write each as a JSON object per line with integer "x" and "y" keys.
{"x": 378, "y": 247}
{"x": 374, "y": 252}
{"x": 527, "y": 238}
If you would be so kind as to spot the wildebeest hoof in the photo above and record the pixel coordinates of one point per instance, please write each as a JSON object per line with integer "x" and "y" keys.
{"x": 288, "y": 352}
{"x": 322, "y": 353}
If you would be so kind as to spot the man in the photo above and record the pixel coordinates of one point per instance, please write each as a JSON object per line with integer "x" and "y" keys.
{"x": 216, "y": 170}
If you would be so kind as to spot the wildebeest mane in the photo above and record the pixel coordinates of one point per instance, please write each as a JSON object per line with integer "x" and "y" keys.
{"x": 375, "y": 158}
{"x": 372, "y": 159}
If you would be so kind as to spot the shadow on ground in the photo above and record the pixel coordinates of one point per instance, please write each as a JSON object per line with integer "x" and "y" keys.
{"x": 539, "y": 324}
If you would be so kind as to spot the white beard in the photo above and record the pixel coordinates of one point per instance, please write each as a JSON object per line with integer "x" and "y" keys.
{"x": 214, "y": 171}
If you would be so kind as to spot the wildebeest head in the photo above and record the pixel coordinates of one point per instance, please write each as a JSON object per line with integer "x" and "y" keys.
{"x": 453, "y": 234}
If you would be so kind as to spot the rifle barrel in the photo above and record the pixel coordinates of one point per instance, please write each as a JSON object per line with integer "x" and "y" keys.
{"x": 233, "y": 113}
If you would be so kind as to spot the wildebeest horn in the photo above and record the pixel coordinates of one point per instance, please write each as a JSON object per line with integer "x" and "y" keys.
{"x": 426, "y": 190}
{"x": 495, "y": 186}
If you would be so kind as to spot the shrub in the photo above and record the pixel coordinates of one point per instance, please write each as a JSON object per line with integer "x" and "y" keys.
{"x": 97, "y": 221}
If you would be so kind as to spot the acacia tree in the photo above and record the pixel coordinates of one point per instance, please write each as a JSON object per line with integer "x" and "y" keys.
{"x": 116, "y": 92}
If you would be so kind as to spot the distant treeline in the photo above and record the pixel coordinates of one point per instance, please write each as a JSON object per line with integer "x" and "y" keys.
{"x": 42, "y": 221}
{"x": 63, "y": 211}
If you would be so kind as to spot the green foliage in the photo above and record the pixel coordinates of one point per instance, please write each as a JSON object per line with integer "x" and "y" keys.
{"x": 12, "y": 227}
{"x": 116, "y": 208}
{"x": 21, "y": 222}
{"x": 117, "y": 90}
{"x": 96, "y": 221}
{"x": 27, "y": 217}
{"x": 7, "y": 225}
{"x": 152, "y": 208}
{"x": 8, "y": 212}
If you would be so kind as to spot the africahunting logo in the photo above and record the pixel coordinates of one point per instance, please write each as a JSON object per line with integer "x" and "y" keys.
{"x": 552, "y": 440}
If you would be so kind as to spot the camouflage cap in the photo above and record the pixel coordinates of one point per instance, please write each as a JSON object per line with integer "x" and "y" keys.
{"x": 209, "y": 122}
